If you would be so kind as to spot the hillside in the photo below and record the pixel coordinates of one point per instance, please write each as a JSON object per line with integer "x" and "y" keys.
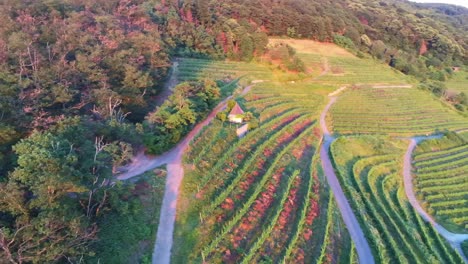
{"x": 115, "y": 129}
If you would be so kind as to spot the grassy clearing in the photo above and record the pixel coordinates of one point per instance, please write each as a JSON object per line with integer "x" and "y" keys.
{"x": 314, "y": 47}
{"x": 128, "y": 236}
{"x": 369, "y": 168}
{"x": 398, "y": 111}
{"x": 440, "y": 167}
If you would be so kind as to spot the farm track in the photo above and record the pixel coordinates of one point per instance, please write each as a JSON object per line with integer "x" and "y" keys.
{"x": 355, "y": 231}
{"x": 169, "y": 85}
{"x": 175, "y": 173}
{"x": 454, "y": 239}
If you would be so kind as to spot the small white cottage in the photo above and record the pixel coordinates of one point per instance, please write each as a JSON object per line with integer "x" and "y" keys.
{"x": 236, "y": 115}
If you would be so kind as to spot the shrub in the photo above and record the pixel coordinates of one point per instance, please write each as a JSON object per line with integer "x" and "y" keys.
{"x": 344, "y": 42}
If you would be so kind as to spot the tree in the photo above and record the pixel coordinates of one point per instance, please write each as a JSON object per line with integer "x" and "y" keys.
{"x": 378, "y": 49}
{"x": 46, "y": 223}
{"x": 173, "y": 119}
{"x": 247, "y": 48}
{"x": 222, "y": 116}
{"x": 343, "y": 42}
{"x": 230, "y": 104}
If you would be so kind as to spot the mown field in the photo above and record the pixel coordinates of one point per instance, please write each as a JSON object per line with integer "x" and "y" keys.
{"x": 441, "y": 172}
{"x": 370, "y": 172}
{"x": 262, "y": 197}
{"x": 394, "y": 111}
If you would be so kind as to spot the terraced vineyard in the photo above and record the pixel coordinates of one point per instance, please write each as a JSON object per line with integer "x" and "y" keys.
{"x": 396, "y": 111}
{"x": 261, "y": 197}
{"x": 370, "y": 171}
{"x": 343, "y": 67}
{"x": 458, "y": 82}
{"x": 193, "y": 69}
{"x": 361, "y": 71}
{"x": 441, "y": 172}
{"x": 465, "y": 247}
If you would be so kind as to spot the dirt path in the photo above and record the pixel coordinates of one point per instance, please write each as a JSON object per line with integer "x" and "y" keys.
{"x": 326, "y": 67}
{"x": 454, "y": 239}
{"x": 175, "y": 173}
{"x": 169, "y": 85}
{"x": 355, "y": 231}
{"x": 391, "y": 86}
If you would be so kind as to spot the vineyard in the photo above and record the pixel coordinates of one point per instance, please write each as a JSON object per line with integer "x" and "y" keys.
{"x": 370, "y": 171}
{"x": 465, "y": 247}
{"x": 352, "y": 70}
{"x": 396, "y": 111}
{"x": 458, "y": 82}
{"x": 261, "y": 197}
{"x": 194, "y": 69}
{"x": 441, "y": 172}
{"x": 342, "y": 67}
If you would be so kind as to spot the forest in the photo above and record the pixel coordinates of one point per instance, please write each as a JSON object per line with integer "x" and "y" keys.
{"x": 79, "y": 78}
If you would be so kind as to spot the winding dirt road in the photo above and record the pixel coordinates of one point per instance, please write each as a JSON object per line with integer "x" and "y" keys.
{"x": 175, "y": 173}
{"x": 355, "y": 231}
{"x": 455, "y": 240}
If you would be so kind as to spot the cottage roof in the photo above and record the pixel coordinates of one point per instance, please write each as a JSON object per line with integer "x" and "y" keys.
{"x": 236, "y": 110}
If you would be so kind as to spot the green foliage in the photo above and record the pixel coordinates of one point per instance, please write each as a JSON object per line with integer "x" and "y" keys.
{"x": 287, "y": 57}
{"x": 465, "y": 247}
{"x": 128, "y": 232}
{"x": 46, "y": 175}
{"x": 253, "y": 124}
{"x": 378, "y": 49}
{"x": 344, "y": 42}
{"x": 437, "y": 88}
{"x": 72, "y": 73}
{"x": 189, "y": 103}
{"x": 230, "y": 104}
{"x": 222, "y": 116}
{"x": 56, "y": 193}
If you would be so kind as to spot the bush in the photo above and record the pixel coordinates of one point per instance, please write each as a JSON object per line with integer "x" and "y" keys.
{"x": 296, "y": 65}
{"x": 344, "y": 42}
{"x": 189, "y": 103}
{"x": 437, "y": 88}
{"x": 459, "y": 107}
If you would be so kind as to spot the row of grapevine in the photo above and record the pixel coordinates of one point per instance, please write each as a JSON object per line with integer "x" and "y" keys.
{"x": 442, "y": 180}
{"x": 399, "y": 111}
{"x": 193, "y": 69}
{"x": 243, "y": 204}
{"x": 259, "y": 187}
{"x": 373, "y": 183}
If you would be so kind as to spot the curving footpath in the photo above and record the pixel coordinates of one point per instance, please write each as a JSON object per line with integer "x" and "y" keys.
{"x": 454, "y": 239}
{"x": 175, "y": 173}
{"x": 355, "y": 231}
